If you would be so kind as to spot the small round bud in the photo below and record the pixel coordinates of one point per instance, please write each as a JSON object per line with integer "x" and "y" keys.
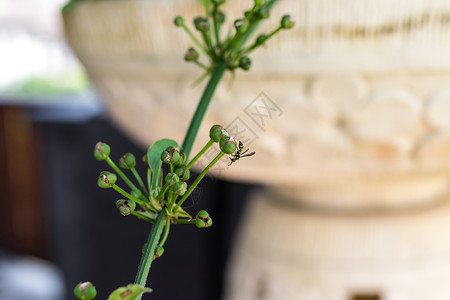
{"x": 215, "y": 133}
{"x": 181, "y": 160}
{"x": 219, "y": 16}
{"x": 101, "y": 151}
{"x": 128, "y": 161}
{"x": 260, "y": 2}
{"x": 171, "y": 178}
{"x": 218, "y": 2}
{"x": 203, "y": 220}
{"x": 245, "y": 63}
{"x": 106, "y": 180}
{"x": 85, "y": 291}
{"x": 179, "y": 188}
{"x": 261, "y": 39}
{"x": 183, "y": 173}
{"x": 170, "y": 155}
{"x": 202, "y": 24}
{"x": 125, "y": 207}
{"x": 159, "y": 251}
{"x": 287, "y": 22}
{"x": 262, "y": 13}
{"x": 241, "y": 25}
{"x": 191, "y": 55}
{"x": 179, "y": 21}
{"x": 227, "y": 145}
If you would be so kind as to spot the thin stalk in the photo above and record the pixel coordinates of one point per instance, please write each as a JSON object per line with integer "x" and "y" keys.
{"x": 204, "y": 149}
{"x": 166, "y": 233}
{"x": 139, "y": 180}
{"x": 129, "y": 196}
{"x": 194, "y": 126}
{"x": 121, "y": 174}
{"x": 147, "y": 256}
{"x": 198, "y": 179}
{"x": 194, "y": 39}
{"x": 149, "y": 179}
{"x": 203, "y": 66}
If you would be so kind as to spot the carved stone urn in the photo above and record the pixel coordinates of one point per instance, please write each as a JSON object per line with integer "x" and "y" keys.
{"x": 349, "y": 115}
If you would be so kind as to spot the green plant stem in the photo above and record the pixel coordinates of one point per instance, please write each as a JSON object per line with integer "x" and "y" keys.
{"x": 139, "y": 180}
{"x": 129, "y": 196}
{"x": 198, "y": 179}
{"x": 194, "y": 126}
{"x": 216, "y": 25}
{"x": 149, "y": 179}
{"x": 149, "y": 251}
{"x": 204, "y": 149}
{"x": 121, "y": 174}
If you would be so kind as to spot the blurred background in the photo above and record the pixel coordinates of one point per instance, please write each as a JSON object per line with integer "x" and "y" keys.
{"x": 57, "y": 227}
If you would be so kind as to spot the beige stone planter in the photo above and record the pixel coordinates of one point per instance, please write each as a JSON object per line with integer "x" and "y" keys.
{"x": 349, "y": 114}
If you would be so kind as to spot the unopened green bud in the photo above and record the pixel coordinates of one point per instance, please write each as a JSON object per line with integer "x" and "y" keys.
{"x": 125, "y": 207}
{"x": 128, "y": 161}
{"x": 241, "y": 25}
{"x": 191, "y": 55}
{"x": 101, "y": 151}
{"x": 219, "y": 16}
{"x": 106, "y": 180}
{"x": 202, "y": 24}
{"x": 181, "y": 160}
{"x": 179, "y": 21}
{"x": 179, "y": 188}
{"x": 261, "y": 39}
{"x": 227, "y": 145}
{"x": 287, "y": 22}
{"x": 183, "y": 173}
{"x": 171, "y": 178}
{"x": 85, "y": 291}
{"x": 245, "y": 63}
{"x": 260, "y": 2}
{"x": 215, "y": 133}
{"x": 170, "y": 155}
{"x": 262, "y": 13}
{"x": 203, "y": 220}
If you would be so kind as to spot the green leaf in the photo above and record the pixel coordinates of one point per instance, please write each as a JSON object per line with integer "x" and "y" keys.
{"x": 130, "y": 292}
{"x": 154, "y": 157}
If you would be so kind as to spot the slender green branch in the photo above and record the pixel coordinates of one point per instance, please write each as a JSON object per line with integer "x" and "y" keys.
{"x": 194, "y": 126}
{"x": 166, "y": 233}
{"x": 121, "y": 174}
{"x": 129, "y": 196}
{"x": 204, "y": 149}
{"x": 194, "y": 39}
{"x": 198, "y": 179}
{"x": 139, "y": 180}
{"x": 149, "y": 180}
{"x": 149, "y": 251}
{"x": 201, "y": 65}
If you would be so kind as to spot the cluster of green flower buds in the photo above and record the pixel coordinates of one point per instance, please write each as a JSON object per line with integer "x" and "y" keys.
{"x": 85, "y": 291}
{"x": 232, "y": 49}
{"x": 173, "y": 156}
{"x": 203, "y": 220}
